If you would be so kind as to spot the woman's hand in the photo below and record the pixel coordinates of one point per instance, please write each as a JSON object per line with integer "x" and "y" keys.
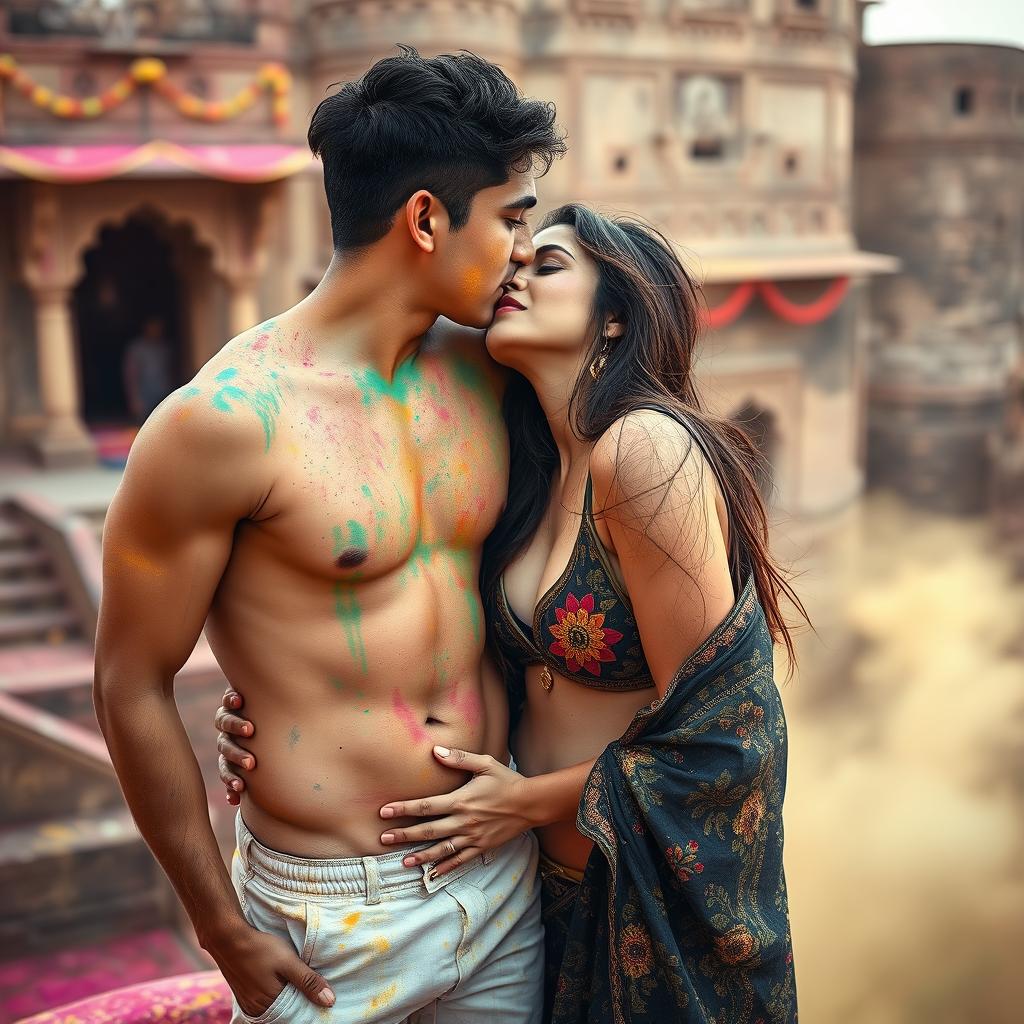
{"x": 231, "y": 754}
{"x": 489, "y": 810}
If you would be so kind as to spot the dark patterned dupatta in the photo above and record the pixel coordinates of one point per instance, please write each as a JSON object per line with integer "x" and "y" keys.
{"x": 684, "y": 894}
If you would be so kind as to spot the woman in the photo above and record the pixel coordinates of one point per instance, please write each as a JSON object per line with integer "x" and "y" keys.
{"x": 632, "y": 605}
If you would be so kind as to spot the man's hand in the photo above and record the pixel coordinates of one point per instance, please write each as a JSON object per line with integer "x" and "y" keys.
{"x": 231, "y": 754}
{"x": 258, "y": 966}
{"x": 490, "y": 809}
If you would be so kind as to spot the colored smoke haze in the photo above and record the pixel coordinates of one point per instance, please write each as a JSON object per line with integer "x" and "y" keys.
{"x": 904, "y": 846}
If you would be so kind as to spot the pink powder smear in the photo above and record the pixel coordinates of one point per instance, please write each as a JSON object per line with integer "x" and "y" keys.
{"x": 407, "y": 718}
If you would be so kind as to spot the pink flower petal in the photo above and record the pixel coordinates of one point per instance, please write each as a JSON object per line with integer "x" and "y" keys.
{"x": 612, "y": 636}
{"x": 593, "y": 667}
{"x": 557, "y": 648}
{"x": 604, "y": 654}
{"x": 588, "y": 602}
{"x": 571, "y": 604}
{"x": 559, "y": 614}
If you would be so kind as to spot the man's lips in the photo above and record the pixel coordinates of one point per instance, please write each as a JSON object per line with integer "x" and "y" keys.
{"x": 507, "y": 302}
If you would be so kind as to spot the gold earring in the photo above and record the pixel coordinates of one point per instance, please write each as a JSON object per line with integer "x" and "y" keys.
{"x": 598, "y": 365}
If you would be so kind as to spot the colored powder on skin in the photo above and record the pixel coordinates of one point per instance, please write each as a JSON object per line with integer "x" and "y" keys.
{"x": 358, "y": 534}
{"x": 471, "y": 280}
{"x": 313, "y": 415}
{"x": 229, "y": 374}
{"x": 406, "y": 717}
{"x": 264, "y": 404}
{"x": 186, "y": 393}
{"x": 349, "y": 614}
{"x": 316, "y": 787}
{"x": 372, "y": 386}
{"x": 293, "y": 737}
{"x": 470, "y": 706}
{"x": 380, "y": 518}
{"x": 137, "y": 560}
{"x": 367, "y": 493}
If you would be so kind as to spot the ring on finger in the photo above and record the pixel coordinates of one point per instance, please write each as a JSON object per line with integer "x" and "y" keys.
{"x": 451, "y": 847}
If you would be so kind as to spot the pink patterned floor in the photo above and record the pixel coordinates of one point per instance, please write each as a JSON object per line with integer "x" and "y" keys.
{"x": 44, "y": 981}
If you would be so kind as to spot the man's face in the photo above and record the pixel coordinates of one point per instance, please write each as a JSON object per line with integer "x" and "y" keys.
{"x": 482, "y": 256}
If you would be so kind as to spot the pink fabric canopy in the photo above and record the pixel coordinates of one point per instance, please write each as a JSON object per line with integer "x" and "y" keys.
{"x": 71, "y": 164}
{"x": 202, "y": 998}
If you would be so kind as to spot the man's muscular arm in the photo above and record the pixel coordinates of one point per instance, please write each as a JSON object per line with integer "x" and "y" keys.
{"x": 192, "y": 475}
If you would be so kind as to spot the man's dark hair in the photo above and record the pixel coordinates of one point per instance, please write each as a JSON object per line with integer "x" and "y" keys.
{"x": 453, "y": 124}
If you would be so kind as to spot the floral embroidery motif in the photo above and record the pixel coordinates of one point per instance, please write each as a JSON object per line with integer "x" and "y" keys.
{"x": 735, "y": 946}
{"x": 748, "y": 821}
{"x": 636, "y": 951}
{"x": 581, "y": 637}
{"x": 683, "y": 860}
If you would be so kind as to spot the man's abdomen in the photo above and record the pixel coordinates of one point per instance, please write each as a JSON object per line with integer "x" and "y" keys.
{"x": 337, "y": 737}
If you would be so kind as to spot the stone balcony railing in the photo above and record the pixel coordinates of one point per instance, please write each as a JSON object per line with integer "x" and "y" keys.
{"x": 134, "y": 21}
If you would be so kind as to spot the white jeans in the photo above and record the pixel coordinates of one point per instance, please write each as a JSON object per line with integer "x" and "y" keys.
{"x": 395, "y": 946}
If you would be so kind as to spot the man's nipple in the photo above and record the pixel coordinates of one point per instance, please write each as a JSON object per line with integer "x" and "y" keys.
{"x": 350, "y": 558}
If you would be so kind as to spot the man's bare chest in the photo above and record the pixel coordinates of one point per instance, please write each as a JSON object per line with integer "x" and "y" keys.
{"x": 364, "y": 481}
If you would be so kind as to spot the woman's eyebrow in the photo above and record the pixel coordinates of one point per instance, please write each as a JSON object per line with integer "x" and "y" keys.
{"x": 541, "y": 250}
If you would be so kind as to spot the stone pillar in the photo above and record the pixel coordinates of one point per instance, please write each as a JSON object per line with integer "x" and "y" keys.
{"x": 243, "y": 303}
{"x": 64, "y": 441}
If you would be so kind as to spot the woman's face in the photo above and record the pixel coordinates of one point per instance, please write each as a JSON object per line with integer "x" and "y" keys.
{"x": 544, "y": 318}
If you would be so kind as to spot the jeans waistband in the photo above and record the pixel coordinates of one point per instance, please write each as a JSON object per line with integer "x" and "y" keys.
{"x": 343, "y": 876}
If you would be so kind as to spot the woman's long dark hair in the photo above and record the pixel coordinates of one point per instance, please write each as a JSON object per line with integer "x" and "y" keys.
{"x": 643, "y": 284}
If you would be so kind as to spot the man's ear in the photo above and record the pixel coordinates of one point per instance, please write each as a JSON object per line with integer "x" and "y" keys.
{"x": 424, "y": 216}
{"x": 614, "y": 327}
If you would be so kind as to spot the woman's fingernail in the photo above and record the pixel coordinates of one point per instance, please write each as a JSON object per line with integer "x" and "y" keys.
{"x": 409, "y": 862}
{"x": 326, "y": 997}
{"x": 388, "y": 837}
{"x": 443, "y": 751}
{"x": 246, "y": 729}
{"x": 247, "y": 762}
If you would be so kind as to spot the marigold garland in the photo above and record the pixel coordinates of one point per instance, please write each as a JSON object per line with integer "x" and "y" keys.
{"x": 151, "y": 72}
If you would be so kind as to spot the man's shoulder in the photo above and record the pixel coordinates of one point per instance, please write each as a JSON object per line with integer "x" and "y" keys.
{"x": 223, "y": 410}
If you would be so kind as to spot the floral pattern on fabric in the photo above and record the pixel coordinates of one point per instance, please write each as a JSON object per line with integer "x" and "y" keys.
{"x": 581, "y": 637}
{"x": 682, "y": 914}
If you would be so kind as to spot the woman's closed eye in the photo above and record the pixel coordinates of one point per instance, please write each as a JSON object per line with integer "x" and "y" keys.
{"x": 549, "y": 268}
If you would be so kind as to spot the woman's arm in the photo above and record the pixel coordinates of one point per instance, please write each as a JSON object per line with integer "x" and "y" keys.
{"x": 656, "y": 500}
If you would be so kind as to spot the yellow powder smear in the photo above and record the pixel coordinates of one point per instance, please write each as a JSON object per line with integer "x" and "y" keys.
{"x": 351, "y": 920}
{"x": 380, "y": 945}
{"x": 137, "y": 560}
{"x": 383, "y": 998}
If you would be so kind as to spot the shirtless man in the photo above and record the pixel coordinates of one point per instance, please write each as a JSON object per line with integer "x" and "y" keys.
{"x": 317, "y": 498}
